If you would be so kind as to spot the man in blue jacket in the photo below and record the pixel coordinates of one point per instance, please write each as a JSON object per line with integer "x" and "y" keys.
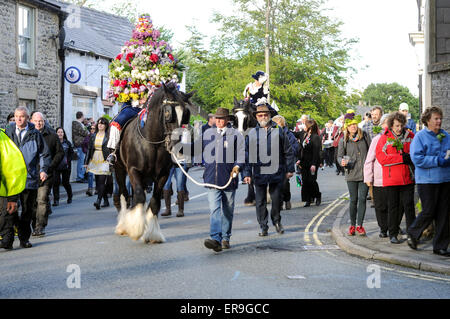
{"x": 271, "y": 157}
{"x": 37, "y": 159}
{"x": 223, "y": 155}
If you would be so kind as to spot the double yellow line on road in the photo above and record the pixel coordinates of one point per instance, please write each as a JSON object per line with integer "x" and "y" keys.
{"x": 320, "y": 217}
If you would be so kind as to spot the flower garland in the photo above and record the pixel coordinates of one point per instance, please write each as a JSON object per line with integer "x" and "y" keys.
{"x": 142, "y": 65}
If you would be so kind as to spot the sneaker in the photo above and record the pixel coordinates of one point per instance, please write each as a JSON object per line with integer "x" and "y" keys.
{"x": 351, "y": 231}
{"x": 213, "y": 244}
{"x": 361, "y": 231}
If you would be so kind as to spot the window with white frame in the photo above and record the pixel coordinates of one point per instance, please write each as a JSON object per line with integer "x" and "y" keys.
{"x": 26, "y": 36}
{"x": 83, "y": 104}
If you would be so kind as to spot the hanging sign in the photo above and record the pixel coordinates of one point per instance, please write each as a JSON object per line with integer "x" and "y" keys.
{"x": 72, "y": 75}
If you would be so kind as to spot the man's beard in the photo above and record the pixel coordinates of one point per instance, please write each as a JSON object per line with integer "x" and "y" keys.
{"x": 263, "y": 123}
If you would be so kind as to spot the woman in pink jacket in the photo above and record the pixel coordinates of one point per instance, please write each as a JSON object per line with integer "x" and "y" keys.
{"x": 373, "y": 176}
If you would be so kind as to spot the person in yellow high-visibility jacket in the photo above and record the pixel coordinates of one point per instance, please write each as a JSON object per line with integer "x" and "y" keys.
{"x": 13, "y": 176}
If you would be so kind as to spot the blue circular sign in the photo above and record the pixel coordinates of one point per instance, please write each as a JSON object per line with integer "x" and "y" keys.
{"x": 72, "y": 74}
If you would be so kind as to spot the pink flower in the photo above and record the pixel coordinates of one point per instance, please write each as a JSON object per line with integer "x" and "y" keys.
{"x": 170, "y": 56}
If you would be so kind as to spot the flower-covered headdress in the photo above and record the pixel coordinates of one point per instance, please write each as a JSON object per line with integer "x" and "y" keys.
{"x": 142, "y": 65}
{"x": 350, "y": 118}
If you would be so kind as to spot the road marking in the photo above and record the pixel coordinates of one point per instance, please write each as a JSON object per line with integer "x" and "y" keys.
{"x": 330, "y": 207}
{"x": 296, "y": 277}
{"x": 236, "y": 275}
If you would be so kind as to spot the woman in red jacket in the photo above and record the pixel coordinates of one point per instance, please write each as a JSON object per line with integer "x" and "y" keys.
{"x": 392, "y": 153}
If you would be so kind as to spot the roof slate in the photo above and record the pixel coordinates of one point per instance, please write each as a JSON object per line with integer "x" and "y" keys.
{"x": 100, "y": 33}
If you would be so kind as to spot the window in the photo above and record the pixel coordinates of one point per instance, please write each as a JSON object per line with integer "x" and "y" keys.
{"x": 83, "y": 104}
{"x": 26, "y": 37}
{"x": 107, "y": 111}
{"x": 29, "y": 104}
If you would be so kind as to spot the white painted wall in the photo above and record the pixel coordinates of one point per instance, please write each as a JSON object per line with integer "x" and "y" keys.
{"x": 91, "y": 70}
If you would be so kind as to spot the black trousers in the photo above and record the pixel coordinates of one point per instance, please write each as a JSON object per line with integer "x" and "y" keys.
{"x": 398, "y": 196}
{"x": 339, "y": 168}
{"x": 286, "y": 191}
{"x": 381, "y": 207}
{"x": 435, "y": 206}
{"x": 101, "y": 184}
{"x": 329, "y": 156}
{"x": 23, "y": 221}
{"x": 310, "y": 188}
{"x": 261, "y": 204}
{"x": 62, "y": 177}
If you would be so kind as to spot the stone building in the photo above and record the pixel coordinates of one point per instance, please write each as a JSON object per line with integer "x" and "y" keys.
{"x": 438, "y": 50}
{"x": 92, "y": 40}
{"x": 30, "y": 63}
{"x": 432, "y": 44}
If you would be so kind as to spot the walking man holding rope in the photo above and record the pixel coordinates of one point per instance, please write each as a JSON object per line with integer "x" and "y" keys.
{"x": 223, "y": 151}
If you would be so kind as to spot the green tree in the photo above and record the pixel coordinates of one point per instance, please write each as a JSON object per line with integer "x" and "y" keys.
{"x": 308, "y": 57}
{"x": 390, "y": 96}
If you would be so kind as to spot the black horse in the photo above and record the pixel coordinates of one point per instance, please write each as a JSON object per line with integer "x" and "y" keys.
{"x": 145, "y": 156}
{"x": 244, "y": 120}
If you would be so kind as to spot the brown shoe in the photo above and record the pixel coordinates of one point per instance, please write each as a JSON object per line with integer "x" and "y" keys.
{"x": 213, "y": 244}
{"x": 225, "y": 244}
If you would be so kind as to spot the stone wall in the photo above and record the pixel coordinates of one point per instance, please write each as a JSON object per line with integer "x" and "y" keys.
{"x": 42, "y": 84}
{"x": 440, "y": 94}
{"x": 440, "y": 64}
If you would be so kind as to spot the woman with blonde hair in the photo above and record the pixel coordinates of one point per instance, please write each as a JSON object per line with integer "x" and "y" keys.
{"x": 352, "y": 153}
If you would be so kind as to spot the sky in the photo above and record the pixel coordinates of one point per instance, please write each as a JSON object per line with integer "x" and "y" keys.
{"x": 383, "y": 54}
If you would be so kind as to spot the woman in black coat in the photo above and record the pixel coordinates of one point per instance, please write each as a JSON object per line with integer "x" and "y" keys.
{"x": 309, "y": 163}
{"x": 95, "y": 160}
{"x": 62, "y": 172}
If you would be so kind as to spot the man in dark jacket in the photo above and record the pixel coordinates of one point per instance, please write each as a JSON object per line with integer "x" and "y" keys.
{"x": 286, "y": 190}
{"x": 79, "y": 132}
{"x": 37, "y": 159}
{"x": 223, "y": 155}
{"x": 40, "y": 214}
{"x": 270, "y": 156}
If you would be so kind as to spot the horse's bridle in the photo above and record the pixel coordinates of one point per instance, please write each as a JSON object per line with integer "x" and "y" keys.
{"x": 163, "y": 120}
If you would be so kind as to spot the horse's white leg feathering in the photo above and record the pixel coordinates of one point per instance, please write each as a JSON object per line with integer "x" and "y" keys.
{"x": 153, "y": 232}
{"x": 135, "y": 222}
{"x": 121, "y": 227}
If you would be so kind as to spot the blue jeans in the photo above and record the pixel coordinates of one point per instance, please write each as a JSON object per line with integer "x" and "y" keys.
{"x": 80, "y": 169}
{"x": 221, "y": 206}
{"x": 180, "y": 178}
{"x": 90, "y": 180}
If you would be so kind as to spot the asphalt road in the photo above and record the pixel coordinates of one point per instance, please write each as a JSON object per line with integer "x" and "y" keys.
{"x": 81, "y": 257}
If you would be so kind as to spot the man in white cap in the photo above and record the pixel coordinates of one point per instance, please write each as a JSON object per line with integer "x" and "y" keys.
{"x": 411, "y": 125}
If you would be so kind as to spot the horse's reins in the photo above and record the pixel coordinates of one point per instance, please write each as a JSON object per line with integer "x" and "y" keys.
{"x": 173, "y": 155}
{"x": 202, "y": 184}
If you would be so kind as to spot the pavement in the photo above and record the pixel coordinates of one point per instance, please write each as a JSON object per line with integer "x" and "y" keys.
{"x": 368, "y": 247}
{"x": 380, "y": 249}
